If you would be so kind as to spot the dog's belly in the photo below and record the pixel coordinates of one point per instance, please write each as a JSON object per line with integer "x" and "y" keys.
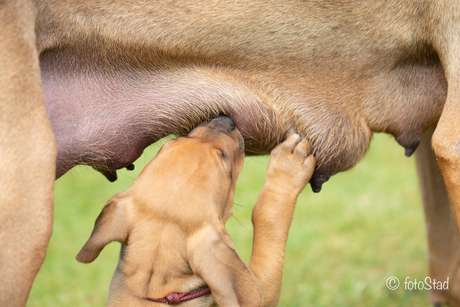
{"x": 105, "y": 115}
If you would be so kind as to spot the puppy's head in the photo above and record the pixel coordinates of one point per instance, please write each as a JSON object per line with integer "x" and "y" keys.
{"x": 171, "y": 221}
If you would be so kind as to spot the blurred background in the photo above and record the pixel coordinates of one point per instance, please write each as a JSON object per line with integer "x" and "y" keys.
{"x": 363, "y": 227}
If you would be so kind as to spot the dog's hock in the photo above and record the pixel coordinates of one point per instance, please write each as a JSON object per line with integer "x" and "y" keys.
{"x": 109, "y": 226}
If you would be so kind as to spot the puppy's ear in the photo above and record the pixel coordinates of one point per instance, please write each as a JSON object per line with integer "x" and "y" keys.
{"x": 230, "y": 280}
{"x": 110, "y": 225}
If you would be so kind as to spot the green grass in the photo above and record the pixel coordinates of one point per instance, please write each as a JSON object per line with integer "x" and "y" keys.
{"x": 365, "y": 226}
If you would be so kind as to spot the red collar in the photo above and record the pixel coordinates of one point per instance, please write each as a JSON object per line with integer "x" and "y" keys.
{"x": 176, "y": 298}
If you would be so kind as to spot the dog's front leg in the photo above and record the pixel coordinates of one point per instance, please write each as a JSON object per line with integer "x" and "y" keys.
{"x": 289, "y": 170}
{"x": 27, "y": 156}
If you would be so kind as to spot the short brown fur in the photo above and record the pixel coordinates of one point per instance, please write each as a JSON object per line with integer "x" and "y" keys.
{"x": 115, "y": 76}
{"x": 171, "y": 223}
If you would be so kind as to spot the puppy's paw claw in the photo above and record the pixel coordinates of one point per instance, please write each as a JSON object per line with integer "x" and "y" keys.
{"x": 291, "y": 162}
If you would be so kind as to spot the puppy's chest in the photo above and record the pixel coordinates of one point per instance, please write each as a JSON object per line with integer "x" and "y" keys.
{"x": 157, "y": 272}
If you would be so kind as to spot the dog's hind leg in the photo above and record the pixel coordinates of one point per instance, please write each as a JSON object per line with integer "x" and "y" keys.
{"x": 27, "y": 156}
{"x": 443, "y": 239}
{"x": 446, "y": 137}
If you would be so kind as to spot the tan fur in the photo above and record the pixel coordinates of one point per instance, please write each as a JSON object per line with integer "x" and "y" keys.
{"x": 443, "y": 243}
{"x": 26, "y": 183}
{"x": 171, "y": 223}
{"x": 288, "y": 65}
{"x": 119, "y": 75}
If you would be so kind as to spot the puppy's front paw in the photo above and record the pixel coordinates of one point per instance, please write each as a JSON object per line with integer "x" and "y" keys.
{"x": 291, "y": 164}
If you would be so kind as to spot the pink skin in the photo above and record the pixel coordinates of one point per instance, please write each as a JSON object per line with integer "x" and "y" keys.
{"x": 105, "y": 115}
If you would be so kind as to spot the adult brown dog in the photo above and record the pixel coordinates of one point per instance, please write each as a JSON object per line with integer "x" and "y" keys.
{"x": 115, "y": 76}
{"x": 171, "y": 223}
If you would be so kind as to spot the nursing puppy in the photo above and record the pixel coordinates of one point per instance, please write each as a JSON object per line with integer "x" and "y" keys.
{"x": 171, "y": 223}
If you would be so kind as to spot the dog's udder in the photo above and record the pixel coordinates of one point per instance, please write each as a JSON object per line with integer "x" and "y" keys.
{"x": 106, "y": 118}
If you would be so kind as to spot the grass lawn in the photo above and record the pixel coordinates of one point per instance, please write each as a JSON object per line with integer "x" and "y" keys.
{"x": 363, "y": 227}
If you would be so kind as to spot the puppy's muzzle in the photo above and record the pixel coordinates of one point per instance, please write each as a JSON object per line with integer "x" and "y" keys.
{"x": 223, "y": 124}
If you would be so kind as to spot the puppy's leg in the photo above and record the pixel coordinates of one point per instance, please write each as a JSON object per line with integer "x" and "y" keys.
{"x": 27, "y": 156}
{"x": 443, "y": 240}
{"x": 289, "y": 170}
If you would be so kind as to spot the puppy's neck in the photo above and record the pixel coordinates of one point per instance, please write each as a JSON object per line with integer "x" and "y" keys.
{"x": 155, "y": 263}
